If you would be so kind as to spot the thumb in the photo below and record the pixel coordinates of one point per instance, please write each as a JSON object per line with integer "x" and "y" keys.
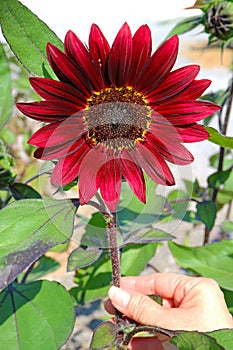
{"x": 136, "y": 306}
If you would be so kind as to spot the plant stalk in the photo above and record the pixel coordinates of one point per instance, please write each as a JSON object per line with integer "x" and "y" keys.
{"x": 115, "y": 261}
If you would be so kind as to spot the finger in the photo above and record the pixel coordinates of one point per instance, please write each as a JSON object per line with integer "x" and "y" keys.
{"x": 169, "y": 285}
{"x": 145, "y": 343}
{"x": 144, "y": 310}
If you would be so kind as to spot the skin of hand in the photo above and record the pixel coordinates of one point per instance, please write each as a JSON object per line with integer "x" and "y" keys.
{"x": 189, "y": 303}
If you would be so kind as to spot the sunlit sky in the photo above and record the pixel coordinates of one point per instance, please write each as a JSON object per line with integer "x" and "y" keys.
{"x": 77, "y": 15}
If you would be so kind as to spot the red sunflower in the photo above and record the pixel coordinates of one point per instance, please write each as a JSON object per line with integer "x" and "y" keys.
{"x": 116, "y": 112}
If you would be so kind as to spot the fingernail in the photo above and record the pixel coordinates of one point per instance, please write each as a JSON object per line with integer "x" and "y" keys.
{"x": 119, "y": 296}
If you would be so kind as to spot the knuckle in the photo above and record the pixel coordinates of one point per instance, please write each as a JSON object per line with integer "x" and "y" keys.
{"x": 138, "y": 308}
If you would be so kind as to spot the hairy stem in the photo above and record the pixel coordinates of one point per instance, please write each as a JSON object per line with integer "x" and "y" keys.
{"x": 115, "y": 261}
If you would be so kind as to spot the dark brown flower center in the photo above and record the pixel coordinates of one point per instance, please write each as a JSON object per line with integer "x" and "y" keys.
{"x": 117, "y": 118}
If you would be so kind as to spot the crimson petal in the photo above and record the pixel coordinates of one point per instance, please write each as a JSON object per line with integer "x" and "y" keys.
{"x": 56, "y": 90}
{"x": 158, "y": 66}
{"x": 110, "y": 183}
{"x": 48, "y": 111}
{"x": 172, "y": 151}
{"x": 98, "y": 46}
{"x": 89, "y": 180}
{"x": 193, "y": 133}
{"x": 194, "y": 90}
{"x": 154, "y": 165}
{"x": 176, "y": 82}
{"x": 180, "y": 113}
{"x": 120, "y": 57}
{"x": 134, "y": 175}
{"x": 142, "y": 45}
{"x": 61, "y": 150}
{"x": 76, "y": 50}
{"x": 66, "y": 70}
{"x": 67, "y": 169}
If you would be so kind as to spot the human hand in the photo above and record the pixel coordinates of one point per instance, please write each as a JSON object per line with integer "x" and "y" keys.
{"x": 189, "y": 303}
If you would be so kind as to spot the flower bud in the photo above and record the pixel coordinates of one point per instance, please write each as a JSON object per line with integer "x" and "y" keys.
{"x": 218, "y": 21}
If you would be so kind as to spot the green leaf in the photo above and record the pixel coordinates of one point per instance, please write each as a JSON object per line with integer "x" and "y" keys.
{"x": 227, "y": 226}
{"x": 224, "y": 196}
{"x": 185, "y": 25}
{"x": 104, "y": 336}
{"x": 28, "y": 228}
{"x": 133, "y": 214}
{"x": 195, "y": 341}
{"x": 94, "y": 234}
{"x": 227, "y": 161}
{"x": 135, "y": 258}
{"x": 6, "y": 101}
{"x": 218, "y": 139}
{"x": 212, "y": 260}
{"x": 23, "y": 191}
{"x": 35, "y": 316}
{"x": 45, "y": 266}
{"x": 228, "y": 296}
{"x": 206, "y": 212}
{"x": 191, "y": 216}
{"x": 27, "y": 36}
{"x": 224, "y": 337}
{"x": 147, "y": 235}
{"x": 94, "y": 281}
{"x": 218, "y": 178}
{"x": 83, "y": 256}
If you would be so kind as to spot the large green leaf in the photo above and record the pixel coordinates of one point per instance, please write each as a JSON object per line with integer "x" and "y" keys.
{"x": 224, "y": 337}
{"x": 212, "y": 260}
{"x": 27, "y": 36}
{"x": 218, "y": 139}
{"x": 23, "y": 191}
{"x": 35, "y": 316}
{"x": 28, "y": 228}
{"x": 94, "y": 281}
{"x": 83, "y": 256}
{"x": 195, "y": 341}
{"x": 6, "y": 102}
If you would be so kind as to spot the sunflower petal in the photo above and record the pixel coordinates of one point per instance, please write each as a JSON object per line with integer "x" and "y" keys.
{"x": 57, "y": 91}
{"x": 158, "y": 67}
{"x": 110, "y": 183}
{"x": 172, "y": 151}
{"x": 134, "y": 175}
{"x": 154, "y": 165}
{"x": 142, "y": 45}
{"x": 120, "y": 57}
{"x": 98, "y": 46}
{"x": 194, "y": 90}
{"x": 89, "y": 180}
{"x": 176, "y": 82}
{"x": 48, "y": 111}
{"x": 66, "y": 70}
{"x": 181, "y": 113}
{"x": 68, "y": 168}
{"x": 193, "y": 133}
{"x": 77, "y": 51}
